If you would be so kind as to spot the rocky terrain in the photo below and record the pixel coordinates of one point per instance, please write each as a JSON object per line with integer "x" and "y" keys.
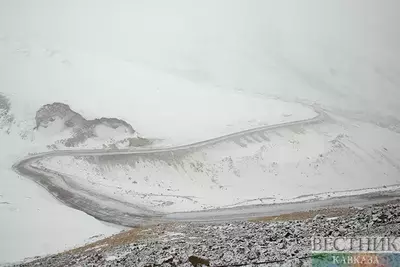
{"x": 48, "y": 113}
{"x": 6, "y": 118}
{"x": 63, "y": 128}
{"x": 275, "y": 241}
{"x": 111, "y": 132}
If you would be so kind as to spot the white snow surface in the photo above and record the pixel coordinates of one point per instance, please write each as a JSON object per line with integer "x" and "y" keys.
{"x": 183, "y": 71}
{"x": 33, "y": 223}
{"x": 330, "y": 159}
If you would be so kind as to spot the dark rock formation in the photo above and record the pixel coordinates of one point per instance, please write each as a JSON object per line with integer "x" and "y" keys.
{"x": 48, "y": 113}
{"x": 6, "y": 118}
{"x": 81, "y": 128}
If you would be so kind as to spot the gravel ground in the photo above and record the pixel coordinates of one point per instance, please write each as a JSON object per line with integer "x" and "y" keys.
{"x": 266, "y": 242}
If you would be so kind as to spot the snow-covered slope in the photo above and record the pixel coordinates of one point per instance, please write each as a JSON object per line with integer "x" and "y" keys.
{"x": 159, "y": 106}
{"x": 183, "y": 71}
{"x": 331, "y": 158}
{"x": 32, "y": 221}
{"x": 336, "y": 52}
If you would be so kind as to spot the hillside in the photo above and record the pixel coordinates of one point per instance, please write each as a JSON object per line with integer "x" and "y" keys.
{"x": 216, "y": 97}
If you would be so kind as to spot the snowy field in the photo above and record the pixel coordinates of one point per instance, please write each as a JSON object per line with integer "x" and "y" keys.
{"x": 185, "y": 71}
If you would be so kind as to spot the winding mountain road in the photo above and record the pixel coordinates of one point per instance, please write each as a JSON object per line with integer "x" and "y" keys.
{"x": 112, "y": 210}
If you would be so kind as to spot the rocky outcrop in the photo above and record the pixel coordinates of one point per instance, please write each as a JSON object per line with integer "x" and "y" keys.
{"x": 82, "y": 129}
{"x": 6, "y": 118}
{"x": 49, "y": 113}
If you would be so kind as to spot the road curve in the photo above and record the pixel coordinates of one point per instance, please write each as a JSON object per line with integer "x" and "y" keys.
{"x": 111, "y": 210}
